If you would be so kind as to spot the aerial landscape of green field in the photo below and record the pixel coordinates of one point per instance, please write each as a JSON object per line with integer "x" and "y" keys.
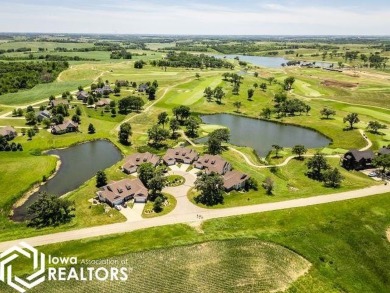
{"x": 211, "y": 149}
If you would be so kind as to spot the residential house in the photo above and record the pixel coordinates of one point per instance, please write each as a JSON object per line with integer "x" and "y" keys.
{"x": 67, "y": 126}
{"x": 55, "y": 103}
{"x": 384, "y": 151}
{"x": 43, "y": 114}
{"x": 180, "y": 155}
{"x": 105, "y": 90}
{"x": 117, "y": 193}
{"x": 102, "y": 103}
{"x": 211, "y": 163}
{"x": 82, "y": 96}
{"x": 8, "y": 132}
{"x": 234, "y": 180}
{"x": 143, "y": 87}
{"x": 132, "y": 162}
{"x": 358, "y": 160}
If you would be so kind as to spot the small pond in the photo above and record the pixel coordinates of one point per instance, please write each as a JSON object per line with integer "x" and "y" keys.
{"x": 261, "y": 135}
{"x": 79, "y": 163}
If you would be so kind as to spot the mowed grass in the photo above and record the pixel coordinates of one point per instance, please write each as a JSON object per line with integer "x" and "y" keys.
{"x": 345, "y": 242}
{"x": 168, "y": 207}
{"x": 241, "y": 265}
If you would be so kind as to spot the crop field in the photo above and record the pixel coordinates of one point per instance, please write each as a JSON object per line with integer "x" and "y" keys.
{"x": 221, "y": 266}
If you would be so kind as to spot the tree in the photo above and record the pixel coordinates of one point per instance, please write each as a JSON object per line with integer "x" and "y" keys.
{"x": 112, "y": 104}
{"x": 91, "y": 128}
{"x": 46, "y": 122}
{"x": 31, "y": 119}
{"x": 218, "y": 94}
{"x": 139, "y": 64}
{"x": 80, "y": 88}
{"x": 237, "y": 104}
{"x": 250, "y": 94}
{"x": 374, "y": 126}
{"x": 152, "y": 93}
{"x": 208, "y": 93}
{"x": 316, "y": 165}
{"x": 382, "y": 161}
{"x": 255, "y": 85}
{"x": 157, "y": 135}
{"x": 333, "y": 178}
{"x": 162, "y": 118}
{"x": 270, "y": 79}
{"x": 277, "y": 149}
{"x": 124, "y": 133}
{"x": 156, "y": 185}
{"x": 268, "y": 185}
{"x": 299, "y": 150}
{"x": 263, "y": 86}
{"x": 181, "y": 113}
{"x": 90, "y": 101}
{"x": 76, "y": 118}
{"x": 101, "y": 179}
{"x": 146, "y": 173}
{"x": 20, "y": 112}
{"x": 327, "y": 112}
{"x": 192, "y": 127}
{"x": 174, "y": 125}
{"x": 78, "y": 111}
{"x": 30, "y": 133}
{"x": 197, "y": 76}
{"x": 50, "y": 210}
{"x": 214, "y": 146}
{"x": 155, "y": 84}
{"x": 266, "y": 113}
{"x": 288, "y": 82}
{"x": 256, "y": 74}
{"x": 113, "y": 112}
{"x": 351, "y": 118}
{"x": 211, "y": 189}
{"x": 222, "y": 134}
{"x": 117, "y": 90}
{"x": 157, "y": 205}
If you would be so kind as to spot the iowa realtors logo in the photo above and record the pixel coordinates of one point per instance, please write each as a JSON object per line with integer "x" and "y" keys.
{"x": 6, "y": 273}
{"x": 76, "y": 272}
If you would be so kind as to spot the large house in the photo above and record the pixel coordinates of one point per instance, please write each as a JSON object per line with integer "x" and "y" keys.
{"x": 119, "y": 192}
{"x": 8, "y": 132}
{"x": 43, "y": 114}
{"x": 180, "y": 155}
{"x": 384, "y": 151}
{"x": 55, "y": 103}
{"x": 132, "y": 162}
{"x": 234, "y": 180}
{"x": 67, "y": 126}
{"x": 102, "y": 103}
{"x": 211, "y": 163}
{"x": 82, "y": 96}
{"x": 358, "y": 160}
{"x": 105, "y": 90}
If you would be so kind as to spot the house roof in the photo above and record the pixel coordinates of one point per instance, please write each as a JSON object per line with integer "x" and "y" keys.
{"x": 45, "y": 113}
{"x": 7, "y": 131}
{"x": 232, "y": 178}
{"x": 384, "y": 151}
{"x": 360, "y": 155}
{"x": 180, "y": 153}
{"x": 82, "y": 94}
{"x": 103, "y": 102}
{"x": 213, "y": 163}
{"x": 105, "y": 88}
{"x": 55, "y": 103}
{"x": 124, "y": 188}
{"x": 140, "y": 158}
{"x": 65, "y": 125}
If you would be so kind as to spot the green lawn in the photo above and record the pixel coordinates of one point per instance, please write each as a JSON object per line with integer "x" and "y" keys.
{"x": 169, "y": 207}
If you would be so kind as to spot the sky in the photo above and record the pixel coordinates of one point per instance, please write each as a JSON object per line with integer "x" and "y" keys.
{"x": 205, "y": 17}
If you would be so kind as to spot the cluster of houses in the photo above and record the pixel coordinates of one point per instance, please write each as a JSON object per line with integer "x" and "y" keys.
{"x": 360, "y": 160}
{"x": 119, "y": 192}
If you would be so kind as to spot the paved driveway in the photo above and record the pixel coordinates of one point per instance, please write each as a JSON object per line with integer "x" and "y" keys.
{"x": 134, "y": 214}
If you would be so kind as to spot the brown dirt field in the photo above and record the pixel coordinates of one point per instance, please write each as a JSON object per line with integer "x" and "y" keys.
{"x": 342, "y": 84}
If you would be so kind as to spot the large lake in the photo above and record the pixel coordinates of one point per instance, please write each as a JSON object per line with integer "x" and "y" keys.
{"x": 79, "y": 163}
{"x": 261, "y": 135}
{"x": 271, "y": 62}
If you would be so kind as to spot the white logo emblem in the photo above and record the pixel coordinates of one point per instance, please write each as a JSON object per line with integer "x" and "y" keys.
{"x": 19, "y": 284}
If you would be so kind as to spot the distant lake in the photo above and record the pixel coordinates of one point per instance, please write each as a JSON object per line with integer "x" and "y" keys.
{"x": 261, "y": 135}
{"x": 271, "y": 62}
{"x": 79, "y": 163}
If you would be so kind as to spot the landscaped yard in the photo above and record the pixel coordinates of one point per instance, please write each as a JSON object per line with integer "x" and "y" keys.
{"x": 167, "y": 207}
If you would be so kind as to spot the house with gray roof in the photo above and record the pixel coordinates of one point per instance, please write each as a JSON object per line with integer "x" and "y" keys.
{"x": 132, "y": 162}
{"x": 8, "y": 132}
{"x": 67, "y": 126}
{"x": 358, "y": 160}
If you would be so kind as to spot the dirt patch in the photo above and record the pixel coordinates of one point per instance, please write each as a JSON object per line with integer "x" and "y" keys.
{"x": 343, "y": 84}
{"x": 388, "y": 234}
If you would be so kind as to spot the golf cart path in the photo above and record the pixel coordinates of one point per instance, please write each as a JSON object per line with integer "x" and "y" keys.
{"x": 192, "y": 217}
{"x": 369, "y": 142}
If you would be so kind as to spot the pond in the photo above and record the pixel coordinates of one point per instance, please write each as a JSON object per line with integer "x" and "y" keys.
{"x": 79, "y": 163}
{"x": 261, "y": 135}
{"x": 271, "y": 62}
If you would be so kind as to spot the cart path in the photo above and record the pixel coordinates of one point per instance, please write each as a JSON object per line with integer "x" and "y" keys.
{"x": 191, "y": 217}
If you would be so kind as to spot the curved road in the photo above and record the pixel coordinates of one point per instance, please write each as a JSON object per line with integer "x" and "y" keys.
{"x": 188, "y": 217}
